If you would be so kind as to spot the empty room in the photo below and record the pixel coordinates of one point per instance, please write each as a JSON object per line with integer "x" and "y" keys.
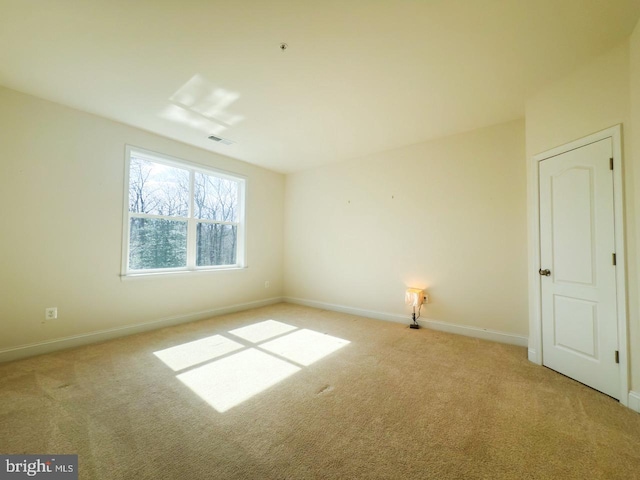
{"x": 306, "y": 240}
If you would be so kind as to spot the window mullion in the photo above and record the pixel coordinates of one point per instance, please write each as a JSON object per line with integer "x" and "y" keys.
{"x": 241, "y": 233}
{"x": 171, "y": 218}
{"x": 191, "y": 236}
{"x": 217, "y": 222}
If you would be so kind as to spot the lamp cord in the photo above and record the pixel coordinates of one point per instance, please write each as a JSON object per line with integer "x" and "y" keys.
{"x": 415, "y": 319}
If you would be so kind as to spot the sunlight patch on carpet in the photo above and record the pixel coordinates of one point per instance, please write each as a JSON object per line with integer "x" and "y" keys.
{"x": 198, "y": 351}
{"x": 261, "y": 331}
{"x": 226, "y": 372}
{"x": 304, "y": 346}
{"x": 227, "y": 382}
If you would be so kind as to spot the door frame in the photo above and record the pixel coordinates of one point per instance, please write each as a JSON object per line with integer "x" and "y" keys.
{"x": 535, "y": 352}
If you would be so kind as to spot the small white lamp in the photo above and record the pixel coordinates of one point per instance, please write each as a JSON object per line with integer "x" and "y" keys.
{"x": 415, "y": 298}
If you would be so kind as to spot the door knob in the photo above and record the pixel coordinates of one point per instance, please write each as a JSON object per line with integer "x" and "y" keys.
{"x": 545, "y": 272}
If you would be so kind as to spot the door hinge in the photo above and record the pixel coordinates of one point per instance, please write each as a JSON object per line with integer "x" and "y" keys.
{"x": 611, "y": 163}
{"x": 617, "y": 356}
{"x": 613, "y": 258}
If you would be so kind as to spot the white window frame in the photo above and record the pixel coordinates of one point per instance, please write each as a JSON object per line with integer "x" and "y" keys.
{"x": 191, "y": 220}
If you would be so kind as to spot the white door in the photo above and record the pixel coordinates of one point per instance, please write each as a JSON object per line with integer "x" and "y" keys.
{"x": 578, "y": 278}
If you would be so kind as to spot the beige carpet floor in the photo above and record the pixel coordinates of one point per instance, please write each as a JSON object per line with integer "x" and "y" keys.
{"x": 273, "y": 403}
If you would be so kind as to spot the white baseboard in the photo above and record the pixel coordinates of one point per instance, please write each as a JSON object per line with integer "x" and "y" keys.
{"x": 389, "y": 317}
{"x": 532, "y": 355}
{"x": 634, "y": 401}
{"x": 483, "y": 333}
{"x": 39, "y": 348}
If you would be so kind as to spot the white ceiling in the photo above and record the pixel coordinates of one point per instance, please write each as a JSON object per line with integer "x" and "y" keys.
{"x": 359, "y": 76}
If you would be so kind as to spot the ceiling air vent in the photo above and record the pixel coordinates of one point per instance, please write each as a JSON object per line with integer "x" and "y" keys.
{"x": 224, "y": 141}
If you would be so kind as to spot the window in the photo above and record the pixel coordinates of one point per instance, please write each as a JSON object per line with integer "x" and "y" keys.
{"x": 181, "y": 217}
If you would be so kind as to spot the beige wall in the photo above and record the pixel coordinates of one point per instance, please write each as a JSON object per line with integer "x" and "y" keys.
{"x": 61, "y": 191}
{"x": 633, "y": 195}
{"x": 447, "y": 215}
{"x": 593, "y": 98}
{"x": 588, "y": 100}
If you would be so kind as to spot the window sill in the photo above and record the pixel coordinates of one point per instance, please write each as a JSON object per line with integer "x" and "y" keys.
{"x": 178, "y": 273}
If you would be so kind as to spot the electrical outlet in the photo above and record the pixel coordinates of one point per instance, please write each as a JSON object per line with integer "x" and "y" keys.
{"x": 51, "y": 313}
{"x": 267, "y": 284}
